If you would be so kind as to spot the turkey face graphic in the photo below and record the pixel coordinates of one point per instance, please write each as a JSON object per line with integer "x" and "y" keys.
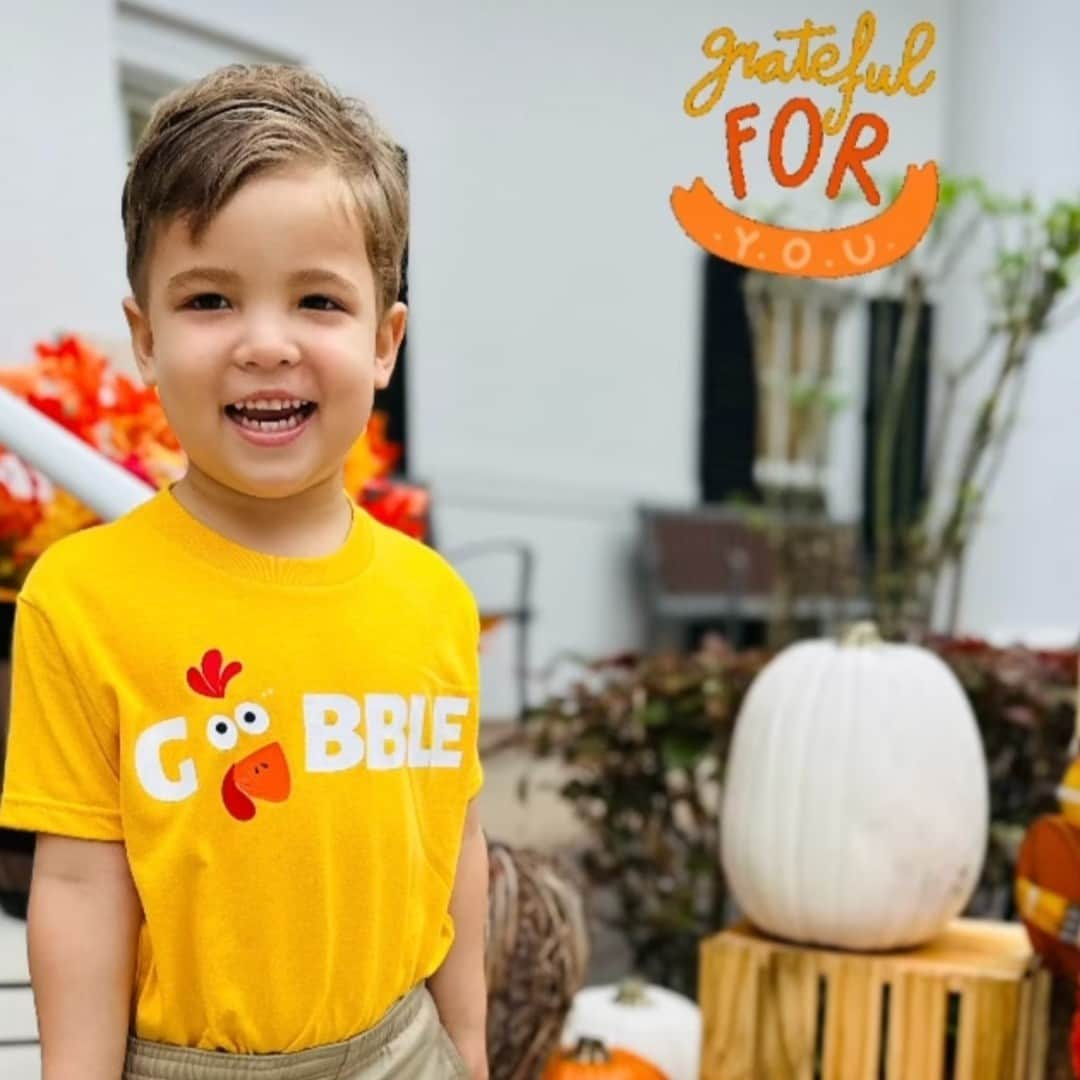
{"x": 263, "y": 774}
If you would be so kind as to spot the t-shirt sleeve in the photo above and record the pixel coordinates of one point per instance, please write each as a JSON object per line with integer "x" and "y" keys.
{"x": 61, "y": 770}
{"x": 474, "y": 769}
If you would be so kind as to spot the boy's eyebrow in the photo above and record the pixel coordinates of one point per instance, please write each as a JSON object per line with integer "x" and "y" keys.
{"x": 317, "y": 276}
{"x": 220, "y": 276}
{"x": 211, "y": 274}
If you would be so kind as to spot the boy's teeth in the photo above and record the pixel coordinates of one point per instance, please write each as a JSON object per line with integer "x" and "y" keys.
{"x": 276, "y": 403}
{"x": 270, "y": 425}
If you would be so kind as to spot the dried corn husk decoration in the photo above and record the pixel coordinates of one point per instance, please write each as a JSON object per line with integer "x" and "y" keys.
{"x": 537, "y": 955}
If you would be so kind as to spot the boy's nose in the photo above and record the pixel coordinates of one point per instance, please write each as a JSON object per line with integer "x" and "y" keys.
{"x": 264, "y": 347}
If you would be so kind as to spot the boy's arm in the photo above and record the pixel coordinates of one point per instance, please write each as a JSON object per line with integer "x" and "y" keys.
{"x": 459, "y": 987}
{"x": 83, "y": 929}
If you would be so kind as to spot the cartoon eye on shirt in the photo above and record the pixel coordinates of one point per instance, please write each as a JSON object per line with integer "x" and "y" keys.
{"x": 262, "y": 774}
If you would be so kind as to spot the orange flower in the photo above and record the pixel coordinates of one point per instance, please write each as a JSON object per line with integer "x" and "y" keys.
{"x": 19, "y": 381}
{"x": 18, "y": 517}
{"x": 69, "y": 387}
{"x": 372, "y": 456}
{"x": 401, "y": 506}
{"x": 23, "y": 496}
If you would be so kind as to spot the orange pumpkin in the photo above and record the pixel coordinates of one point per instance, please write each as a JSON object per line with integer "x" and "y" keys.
{"x": 592, "y": 1060}
{"x": 1048, "y": 878}
{"x": 1050, "y": 858}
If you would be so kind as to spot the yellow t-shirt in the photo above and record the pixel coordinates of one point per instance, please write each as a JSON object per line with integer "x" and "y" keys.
{"x": 286, "y": 747}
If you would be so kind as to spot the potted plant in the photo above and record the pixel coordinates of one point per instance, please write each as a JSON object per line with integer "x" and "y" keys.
{"x": 923, "y": 516}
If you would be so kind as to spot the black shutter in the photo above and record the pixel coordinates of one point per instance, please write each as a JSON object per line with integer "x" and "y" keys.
{"x": 394, "y": 399}
{"x": 909, "y": 465}
{"x": 728, "y": 387}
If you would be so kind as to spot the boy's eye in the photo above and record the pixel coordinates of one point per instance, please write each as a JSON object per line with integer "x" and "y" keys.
{"x": 320, "y": 303}
{"x": 207, "y": 302}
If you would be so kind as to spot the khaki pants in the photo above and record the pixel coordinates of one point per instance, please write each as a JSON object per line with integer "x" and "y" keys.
{"x": 409, "y": 1043}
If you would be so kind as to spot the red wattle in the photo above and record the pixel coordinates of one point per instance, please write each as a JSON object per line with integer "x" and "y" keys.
{"x": 236, "y": 802}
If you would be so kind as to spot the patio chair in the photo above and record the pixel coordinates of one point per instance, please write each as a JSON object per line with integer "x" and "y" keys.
{"x": 515, "y": 605}
{"x": 716, "y": 564}
{"x": 517, "y": 609}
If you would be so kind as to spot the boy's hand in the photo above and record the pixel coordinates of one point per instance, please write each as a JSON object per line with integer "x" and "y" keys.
{"x": 459, "y": 986}
{"x": 472, "y": 1046}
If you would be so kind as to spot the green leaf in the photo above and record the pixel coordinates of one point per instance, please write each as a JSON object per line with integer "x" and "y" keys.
{"x": 655, "y": 714}
{"x": 681, "y": 750}
{"x": 836, "y": 402}
{"x": 1070, "y": 269}
{"x": 589, "y": 745}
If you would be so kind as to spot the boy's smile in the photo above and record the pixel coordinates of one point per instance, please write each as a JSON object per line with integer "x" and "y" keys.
{"x": 271, "y": 417}
{"x": 263, "y": 336}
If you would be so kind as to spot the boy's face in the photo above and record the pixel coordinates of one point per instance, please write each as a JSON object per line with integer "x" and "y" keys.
{"x": 276, "y": 302}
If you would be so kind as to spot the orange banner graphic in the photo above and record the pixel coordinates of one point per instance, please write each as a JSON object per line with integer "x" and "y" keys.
{"x": 826, "y": 253}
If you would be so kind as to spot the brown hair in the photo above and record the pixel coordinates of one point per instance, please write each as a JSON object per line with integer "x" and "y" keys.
{"x": 206, "y": 139}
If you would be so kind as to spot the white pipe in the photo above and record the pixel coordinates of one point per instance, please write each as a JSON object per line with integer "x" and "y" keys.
{"x": 100, "y": 484}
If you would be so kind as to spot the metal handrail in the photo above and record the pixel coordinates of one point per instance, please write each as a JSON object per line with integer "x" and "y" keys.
{"x": 106, "y": 488}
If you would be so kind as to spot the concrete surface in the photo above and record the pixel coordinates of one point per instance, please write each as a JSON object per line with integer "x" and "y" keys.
{"x": 542, "y": 821}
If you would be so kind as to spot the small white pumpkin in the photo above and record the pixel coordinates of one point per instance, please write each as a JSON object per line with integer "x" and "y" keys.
{"x": 655, "y": 1023}
{"x": 856, "y": 800}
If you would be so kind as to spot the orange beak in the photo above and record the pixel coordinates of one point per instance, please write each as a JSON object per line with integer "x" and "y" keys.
{"x": 261, "y": 775}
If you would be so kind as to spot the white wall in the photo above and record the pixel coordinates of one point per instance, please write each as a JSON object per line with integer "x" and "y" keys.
{"x": 1015, "y": 124}
{"x": 554, "y": 344}
{"x": 63, "y": 156}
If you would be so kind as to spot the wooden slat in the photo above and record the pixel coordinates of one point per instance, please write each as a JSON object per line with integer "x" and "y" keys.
{"x": 918, "y": 1008}
{"x": 1039, "y": 1040}
{"x": 1023, "y": 1029}
{"x": 964, "y": 947}
{"x": 987, "y": 1036}
{"x": 852, "y": 1032}
{"x": 18, "y": 1021}
{"x": 998, "y": 1015}
{"x": 787, "y": 1017}
{"x": 20, "y": 1063}
{"x": 14, "y": 967}
{"x": 728, "y": 997}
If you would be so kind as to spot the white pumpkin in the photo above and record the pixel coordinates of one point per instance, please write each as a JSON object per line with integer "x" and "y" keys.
{"x": 655, "y": 1023}
{"x": 856, "y": 798}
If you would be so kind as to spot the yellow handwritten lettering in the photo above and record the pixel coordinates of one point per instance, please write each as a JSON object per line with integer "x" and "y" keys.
{"x": 825, "y": 57}
{"x": 770, "y": 68}
{"x": 823, "y": 64}
{"x": 920, "y": 41}
{"x": 861, "y": 40}
{"x": 879, "y": 80}
{"x": 722, "y": 45}
{"x": 803, "y": 35}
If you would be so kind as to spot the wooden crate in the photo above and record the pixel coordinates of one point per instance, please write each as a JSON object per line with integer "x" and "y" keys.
{"x": 972, "y": 1005}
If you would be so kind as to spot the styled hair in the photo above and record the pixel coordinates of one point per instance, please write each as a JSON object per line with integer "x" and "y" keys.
{"x": 208, "y": 138}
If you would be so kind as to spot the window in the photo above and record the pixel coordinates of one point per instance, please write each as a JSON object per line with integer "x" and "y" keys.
{"x": 158, "y": 52}
{"x": 793, "y": 325}
{"x": 140, "y": 89}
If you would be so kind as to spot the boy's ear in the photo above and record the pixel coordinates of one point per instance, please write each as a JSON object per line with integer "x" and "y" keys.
{"x": 142, "y": 340}
{"x": 387, "y": 342}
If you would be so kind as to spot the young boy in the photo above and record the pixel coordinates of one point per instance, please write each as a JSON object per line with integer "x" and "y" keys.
{"x": 244, "y": 716}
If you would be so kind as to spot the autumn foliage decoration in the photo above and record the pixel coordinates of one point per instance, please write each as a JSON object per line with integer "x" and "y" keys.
{"x": 369, "y": 478}
{"x": 76, "y": 386}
